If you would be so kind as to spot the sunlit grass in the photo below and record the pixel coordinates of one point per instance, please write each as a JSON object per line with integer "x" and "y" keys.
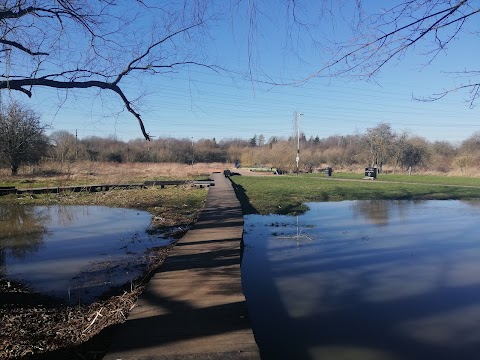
{"x": 286, "y": 194}
{"x": 415, "y": 178}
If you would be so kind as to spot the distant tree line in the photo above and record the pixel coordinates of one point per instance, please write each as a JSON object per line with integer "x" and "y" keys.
{"x": 65, "y": 147}
{"x": 23, "y": 141}
{"x": 379, "y": 146}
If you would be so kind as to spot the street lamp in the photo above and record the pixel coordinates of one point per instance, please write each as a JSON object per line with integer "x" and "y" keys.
{"x": 297, "y": 123}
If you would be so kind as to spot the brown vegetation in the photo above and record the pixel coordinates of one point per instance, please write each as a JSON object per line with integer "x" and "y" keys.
{"x": 380, "y": 145}
{"x": 57, "y": 173}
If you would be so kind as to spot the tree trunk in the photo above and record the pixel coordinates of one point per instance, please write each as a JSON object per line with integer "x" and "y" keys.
{"x": 14, "y": 168}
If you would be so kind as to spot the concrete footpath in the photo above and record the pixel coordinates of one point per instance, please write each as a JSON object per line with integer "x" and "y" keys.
{"x": 194, "y": 307}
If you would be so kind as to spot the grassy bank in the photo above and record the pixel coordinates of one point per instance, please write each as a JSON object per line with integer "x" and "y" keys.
{"x": 404, "y": 178}
{"x": 286, "y": 194}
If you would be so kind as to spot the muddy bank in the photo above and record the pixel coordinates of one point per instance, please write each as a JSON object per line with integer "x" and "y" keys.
{"x": 35, "y": 326}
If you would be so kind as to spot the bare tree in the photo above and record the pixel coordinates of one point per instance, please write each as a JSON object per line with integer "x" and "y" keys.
{"x": 107, "y": 45}
{"x": 64, "y": 145}
{"x": 22, "y": 137}
{"x": 80, "y": 44}
{"x": 388, "y": 34}
{"x": 471, "y": 144}
{"x": 412, "y": 155}
{"x": 379, "y": 142}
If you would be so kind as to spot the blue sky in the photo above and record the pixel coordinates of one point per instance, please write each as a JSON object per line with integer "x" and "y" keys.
{"x": 199, "y": 103}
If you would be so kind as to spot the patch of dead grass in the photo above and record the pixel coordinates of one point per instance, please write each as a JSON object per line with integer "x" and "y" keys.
{"x": 88, "y": 172}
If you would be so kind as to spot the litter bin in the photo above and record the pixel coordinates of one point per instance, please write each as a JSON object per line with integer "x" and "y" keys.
{"x": 371, "y": 172}
{"x": 328, "y": 171}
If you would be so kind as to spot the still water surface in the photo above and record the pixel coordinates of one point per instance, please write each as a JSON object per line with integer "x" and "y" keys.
{"x": 366, "y": 280}
{"x": 74, "y": 252}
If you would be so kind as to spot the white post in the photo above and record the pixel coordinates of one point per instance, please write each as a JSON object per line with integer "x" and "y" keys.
{"x": 297, "y": 124}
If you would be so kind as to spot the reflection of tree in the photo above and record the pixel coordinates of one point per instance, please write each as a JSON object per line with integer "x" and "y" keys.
{"x": 374, "y": 211}
{"x": 2, "y": 260}
{"x": 65, "y": 216}
{"x": 378, "y": 212}
{"x": 21, "y": 231}
{"x": 475, "y": 203}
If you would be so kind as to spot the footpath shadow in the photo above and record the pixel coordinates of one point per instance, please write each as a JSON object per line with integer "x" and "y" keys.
{"x": 172, "y": 313}
{"x": 241, "y": 194}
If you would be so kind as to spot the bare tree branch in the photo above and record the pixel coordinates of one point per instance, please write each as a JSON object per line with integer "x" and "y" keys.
{"x": 381, "y": 42}
{"x": 20, "y": 84}
{"x": 130, "y": 66}
{"x": 78, "y": 44}
{"x": 21, "y": 47}
{"x": 387, "y": 37}
{"x": 473, "y": 88}
{"x": 75, "y": 44}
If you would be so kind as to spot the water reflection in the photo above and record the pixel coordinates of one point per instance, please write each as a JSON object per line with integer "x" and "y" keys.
{"x": 378, "y": 212}
{"x": 21, "y": 232}
{"x": 473, "y": 202}
{"x": 368, "y": 286}
{"x": 74, "y": 252}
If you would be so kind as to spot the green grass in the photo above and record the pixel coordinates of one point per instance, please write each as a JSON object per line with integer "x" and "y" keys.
{"x": 422, "y": 179}
{"x": 287, "y": 194}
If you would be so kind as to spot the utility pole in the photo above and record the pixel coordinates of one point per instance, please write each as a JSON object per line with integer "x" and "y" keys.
{"x": 193, "y": 151}
{"x": 76, "y": 145}
{"x": 297, "y": 128}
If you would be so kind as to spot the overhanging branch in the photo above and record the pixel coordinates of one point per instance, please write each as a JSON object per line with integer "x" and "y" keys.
{"x": 132, "y": 63}
{"x": 381, "y": 41}
{"x": 20, "y": 84}
{"x": 21, "y": 47}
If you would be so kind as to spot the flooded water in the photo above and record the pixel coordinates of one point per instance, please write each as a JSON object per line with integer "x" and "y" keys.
{"x": 366, "y": 280}
{"x": 74, "y": 252}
